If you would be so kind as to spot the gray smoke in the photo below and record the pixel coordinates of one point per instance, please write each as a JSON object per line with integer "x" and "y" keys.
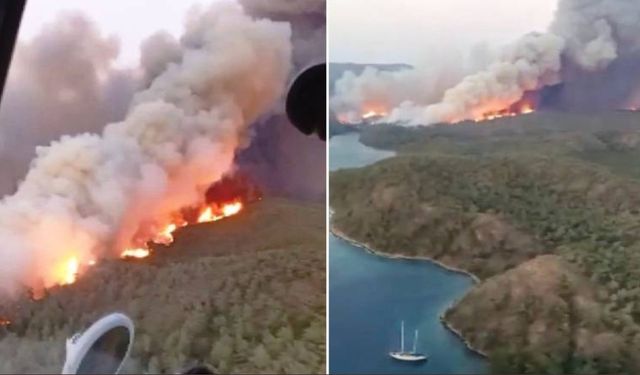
{"x": 308, "y": 24}
{"x": 88, "y": 196}
{"x": 382, "y": 90}
{"x": 285, "y": 161}
{"x": 530, "y": 64}
{"x": 61, "y": 82}
{"x": 156, "y": 53}
{"x": 586, "y": 37}
{"x": 597, "y": 31}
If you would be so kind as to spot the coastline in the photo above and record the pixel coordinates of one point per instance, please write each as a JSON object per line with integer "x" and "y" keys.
{"x": 366, "y": 247}
{"x": 369, "y": 249}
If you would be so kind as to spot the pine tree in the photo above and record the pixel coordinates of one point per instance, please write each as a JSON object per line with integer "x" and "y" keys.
{"x": 260, "y": 357}
{"x": 222, "y": 350}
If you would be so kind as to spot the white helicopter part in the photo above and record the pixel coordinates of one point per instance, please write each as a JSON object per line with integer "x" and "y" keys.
{"x": 102, "y": 348}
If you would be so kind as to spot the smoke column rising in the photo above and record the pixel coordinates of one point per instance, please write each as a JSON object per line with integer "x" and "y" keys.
{"x": 585, "y": 36}
{"x": 86, "y": 196}
{"x": 60, "y": 82}
{"x": 284, "y": 161}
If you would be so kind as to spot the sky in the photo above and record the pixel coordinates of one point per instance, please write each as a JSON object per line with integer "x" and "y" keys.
{"x": 409, "y": 31}
{"x": 131, "y": 20}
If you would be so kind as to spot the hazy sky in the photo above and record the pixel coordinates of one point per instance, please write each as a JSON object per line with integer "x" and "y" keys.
{"x": 131, "y": 20}
{"x": 384, "y": 31}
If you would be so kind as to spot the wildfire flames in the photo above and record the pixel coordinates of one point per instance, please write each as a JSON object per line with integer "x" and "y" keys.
{"x": 369, "y": 113}
{"x": 67, "y": 271}
{"x": 135, "y": 253}
{"x": 4, "y": 322}
{"x": 229, "y": 194}
{"x": 519, "y": 109}
{"x": 166, "y": 235}
{"x": 211, "y": 214}
{"x": 207, "y": 214}
{"x": 373, "y": 114}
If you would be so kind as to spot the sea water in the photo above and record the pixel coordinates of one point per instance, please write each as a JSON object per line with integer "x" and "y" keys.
{"x": 369, "y": 297}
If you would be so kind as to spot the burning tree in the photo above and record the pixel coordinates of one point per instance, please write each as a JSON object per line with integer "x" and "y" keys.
{"x": 95, "y": 196}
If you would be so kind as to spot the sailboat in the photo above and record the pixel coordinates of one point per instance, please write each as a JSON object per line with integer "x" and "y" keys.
{"x": 412, "y": 356}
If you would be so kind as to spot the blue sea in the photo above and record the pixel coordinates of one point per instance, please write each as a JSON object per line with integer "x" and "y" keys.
{"x": 369, "y": 296}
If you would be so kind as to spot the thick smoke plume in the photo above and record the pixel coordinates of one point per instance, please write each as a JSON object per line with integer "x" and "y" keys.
{"x": 87, "y": 196}
{"x": 283, "y": 160}
{"x": 61, "y": 82}
{"x": 585, "y": 38}
{"x": 381, "y": 90}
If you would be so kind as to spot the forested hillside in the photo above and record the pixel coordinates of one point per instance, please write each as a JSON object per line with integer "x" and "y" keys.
{"x": 544, "y": 209}
{"x": 243, "y": 295}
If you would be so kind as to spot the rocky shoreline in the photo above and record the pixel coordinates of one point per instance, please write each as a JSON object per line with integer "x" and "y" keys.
{"x": 369, "y": 249}
{"x": 338, "y": 233}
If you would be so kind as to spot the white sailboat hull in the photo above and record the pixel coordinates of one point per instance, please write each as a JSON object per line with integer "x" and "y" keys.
{"x": 412, "y": 356}
{"x": 408, "y": 357}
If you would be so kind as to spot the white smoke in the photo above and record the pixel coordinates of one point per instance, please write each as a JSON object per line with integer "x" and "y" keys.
{"x": 585, "y": 34}
{"x": 156, "y": 53}
{"x": 377, "y": 90}
{"x": 61, "y": 82}
{"x": 531, "y": 63}
{"x": 87, "y": 196}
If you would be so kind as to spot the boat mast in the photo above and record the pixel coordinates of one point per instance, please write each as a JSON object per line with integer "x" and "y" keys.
{"x": 415, "y": 342}
{"x": 402, "y": 337}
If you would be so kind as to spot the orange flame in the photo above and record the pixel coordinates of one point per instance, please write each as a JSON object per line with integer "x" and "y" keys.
{"x": 4, "y": 322}
{"x": 372, "y": 114}
{"x": 138, "y": 253}
{"x": 64, "y": 272}
{"x": 368, "y": 112}
{"x": 67, "y": 271}
{"x": 206, "y": 215}
{"x": 519, "y": 109}
{"x": 231, "y": 208}
{"x": 165, "y": 236}
{"x": 211, "y": 214}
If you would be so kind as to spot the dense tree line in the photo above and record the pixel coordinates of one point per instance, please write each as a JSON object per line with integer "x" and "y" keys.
{"x": 490, "y": 199}
{"x": 255, "y": 311}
